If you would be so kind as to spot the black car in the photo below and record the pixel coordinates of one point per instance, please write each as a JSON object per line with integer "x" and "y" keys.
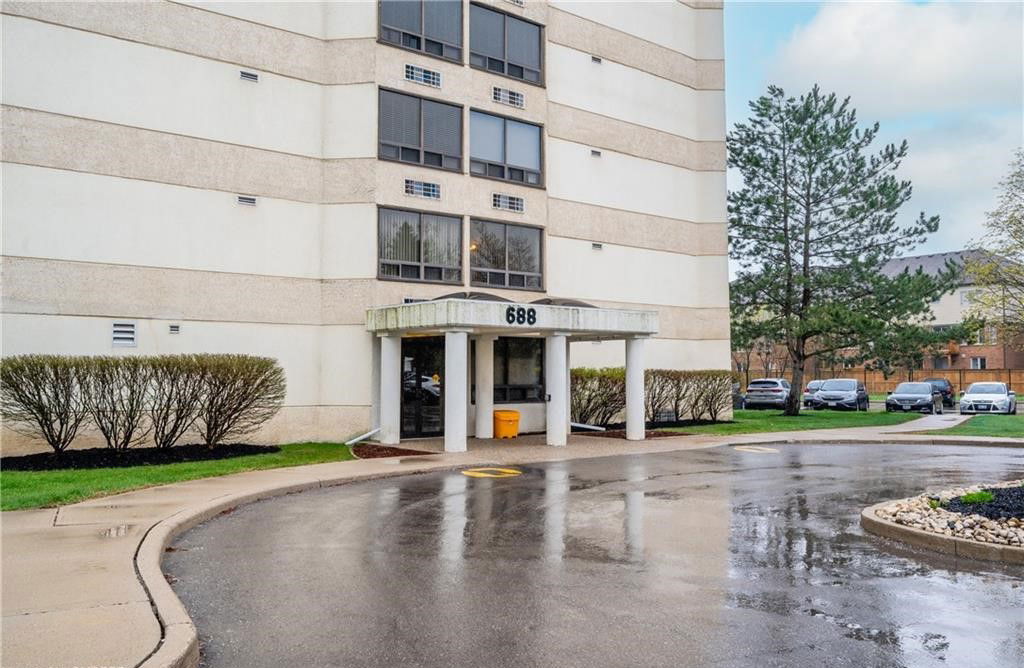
{"x": 946, "y": 388}
{"x": 918, "y": 397}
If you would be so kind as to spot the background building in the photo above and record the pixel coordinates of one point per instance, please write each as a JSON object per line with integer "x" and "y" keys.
{"x": 253, "y": 177}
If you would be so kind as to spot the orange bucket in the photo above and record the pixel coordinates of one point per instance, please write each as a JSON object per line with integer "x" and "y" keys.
{"x": 506, "y": 424}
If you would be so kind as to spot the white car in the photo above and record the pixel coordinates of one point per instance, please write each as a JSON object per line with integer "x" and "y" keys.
{"x": 988, "y": 398}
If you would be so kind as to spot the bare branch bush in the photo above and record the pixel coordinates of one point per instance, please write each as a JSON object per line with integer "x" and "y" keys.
{"x": 42, "y": 396}
{"x": 175, "y": 394}
{"x": 241, "y": 392}
{"x": 117, "y": 390}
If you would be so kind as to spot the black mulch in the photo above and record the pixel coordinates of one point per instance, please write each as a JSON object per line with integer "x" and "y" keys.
{"x": 1008, "y": 502}
{"x": 371, "y": 451}
{"x": 96, "y": 458}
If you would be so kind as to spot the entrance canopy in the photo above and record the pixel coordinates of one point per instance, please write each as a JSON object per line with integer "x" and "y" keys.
{"x": 484, "y": 318}
{"x": 478, "y": 316}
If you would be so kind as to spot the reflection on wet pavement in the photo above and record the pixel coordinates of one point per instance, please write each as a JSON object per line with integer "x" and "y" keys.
{"x": 709, "y": 557}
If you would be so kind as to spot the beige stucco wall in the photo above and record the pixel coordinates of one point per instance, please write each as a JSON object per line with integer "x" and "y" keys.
{"x": 120, "y": 189}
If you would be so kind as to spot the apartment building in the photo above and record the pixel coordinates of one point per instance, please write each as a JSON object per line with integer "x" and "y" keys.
{"x": 423, "y": 210}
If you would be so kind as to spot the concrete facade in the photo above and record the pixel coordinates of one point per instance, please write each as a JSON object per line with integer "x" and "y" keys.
{"x": 128, "y": 135}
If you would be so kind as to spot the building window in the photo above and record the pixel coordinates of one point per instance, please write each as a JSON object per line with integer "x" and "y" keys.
{"x": 420, "y": 131}
{"x": 502, "y": 148}
{"x": 505, "y": 256}
{"x": 504, "y": 44}
{"x": 940, "y": 362}
{"x": 518, "y": 370}
{"x": 416, "y": 246}
{"x": 430, "y": 26}
{"x": 978, "y": 363}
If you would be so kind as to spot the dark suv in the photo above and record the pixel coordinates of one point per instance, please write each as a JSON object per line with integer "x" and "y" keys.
{"x": 945, "y": 388}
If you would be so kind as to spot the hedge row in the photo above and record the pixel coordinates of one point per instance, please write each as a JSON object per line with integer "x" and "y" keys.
{"x": 127, "y": 399}
{"x": 599, "y": 395}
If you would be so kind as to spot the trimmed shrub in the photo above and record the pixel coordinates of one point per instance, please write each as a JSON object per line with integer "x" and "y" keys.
{"x": 175, "y": 394}
{"x": 240, "y": 393}
{"x": 116, "y": 393}
{"x": 598, "y": 395}
{"x": 43, "y": 396}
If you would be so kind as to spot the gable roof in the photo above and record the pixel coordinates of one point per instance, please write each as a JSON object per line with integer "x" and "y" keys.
{"x": 932, "y": 263}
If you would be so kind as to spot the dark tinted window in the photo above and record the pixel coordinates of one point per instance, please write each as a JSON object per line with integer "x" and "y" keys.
{"x": 504, "y": 44}
{"x": 505, "y": 255}
{"x": 431, "y": 26}
{"x": 419, "y": 246}
{"x": 420, "y": 131}
{"x": 839, "y": 385}
{"x": 504, "y": 148}
{"x": 913, "y": 388}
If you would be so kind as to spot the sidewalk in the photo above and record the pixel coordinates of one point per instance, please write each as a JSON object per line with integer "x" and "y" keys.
{"x": 82, "y": 584}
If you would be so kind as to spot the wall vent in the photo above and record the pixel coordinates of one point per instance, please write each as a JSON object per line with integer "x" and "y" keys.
{"x": 247, "y": 200}
{"x": 595, "y": 59}
{"x": 174, "y": 329}
{"x": 422, "y": 189}
{"x": 508, "y": 203}
{"x": 413, "y": 300}
{"x": 510, "y": 97}
{"x": 517, "y": 3}
{"x": 422, "y": 75}
{"x": 594, "y": 152}
{"x": 248, "y": 76}
{"x": 123, "y": 334}
{"x": 597, "y": 246}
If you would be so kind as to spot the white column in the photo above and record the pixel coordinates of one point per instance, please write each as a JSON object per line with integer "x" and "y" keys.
{"x": 485, "y": 386}
{"x": 635, "y": 389}
{"x": 456, "y": 346}
{"x": 390, "y": 389}
{"x": 556, "y": 379}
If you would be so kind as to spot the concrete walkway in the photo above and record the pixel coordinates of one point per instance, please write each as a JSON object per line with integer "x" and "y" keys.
{"x": 82, "y": 584}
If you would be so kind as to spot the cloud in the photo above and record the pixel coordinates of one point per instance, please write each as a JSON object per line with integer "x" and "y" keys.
{"x": 898, "y": 58}
{"x": 955, "y": 168}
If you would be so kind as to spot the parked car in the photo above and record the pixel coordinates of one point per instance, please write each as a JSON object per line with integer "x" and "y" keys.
{"x": 946, "y": 387}
{"x": 841, "y": 393}
{"x": 988, "y": 398}
{"x": 767, "y": 393}
{"x": 809, "y": 391}
{"x": 738, "y": 400}
{"x": 918, "y": 396}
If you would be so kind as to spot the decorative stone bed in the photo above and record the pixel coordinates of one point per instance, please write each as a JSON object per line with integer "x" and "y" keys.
{"x": 991, "y": 530}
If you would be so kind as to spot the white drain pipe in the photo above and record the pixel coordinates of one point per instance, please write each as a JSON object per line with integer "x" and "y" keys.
{"x": 586, "y": 426}
{"x": 359, "y": 438}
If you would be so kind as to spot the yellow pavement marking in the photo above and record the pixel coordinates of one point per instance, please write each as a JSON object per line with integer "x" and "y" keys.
{"x": 488, "y": 472}
{"x": 760, "y": 449}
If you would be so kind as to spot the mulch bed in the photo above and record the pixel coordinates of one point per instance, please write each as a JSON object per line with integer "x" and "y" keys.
{"x": 1008, "y": 502}
{"x": 621, "y": 433}
{"x": 371, "y": 451}
{"x": 102, "y": 458}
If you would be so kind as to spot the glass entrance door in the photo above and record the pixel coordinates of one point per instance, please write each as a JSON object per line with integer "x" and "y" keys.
{"x": 422, "y": 387}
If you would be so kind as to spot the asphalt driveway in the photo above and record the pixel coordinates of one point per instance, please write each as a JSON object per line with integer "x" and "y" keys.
{"x": 696, "y": 558}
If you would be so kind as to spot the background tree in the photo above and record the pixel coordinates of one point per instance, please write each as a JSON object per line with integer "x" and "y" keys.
{"x": 813, "y": 225}
{"x": 907, "y": 347}
{"x": 998, "y": 271}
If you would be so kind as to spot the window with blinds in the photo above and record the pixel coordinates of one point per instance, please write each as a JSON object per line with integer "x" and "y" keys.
{"x": 420, "y": 131}
{"x": 433, "y": 27}
{"x": 503, "y": 255}
{"x": 504, "y": 44}
{"x": 416, "y": 246}
{"x": 503, "y": 148}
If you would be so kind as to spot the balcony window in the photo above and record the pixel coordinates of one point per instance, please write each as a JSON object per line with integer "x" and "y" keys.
{"x": 431, "y": 26}
{"x": 420, "y": 131}
{"x": 505, "y": 256}
{"x": 415, "y": 246}
{"x": 503, "y": 148}
{"x": 504, "y": 44}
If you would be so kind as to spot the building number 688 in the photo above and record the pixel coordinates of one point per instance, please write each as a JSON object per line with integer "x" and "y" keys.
{"x": 518, "y": 315}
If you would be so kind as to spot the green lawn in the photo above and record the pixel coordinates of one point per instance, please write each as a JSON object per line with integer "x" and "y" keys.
{"x": 1011, "y": 426}
{"x": 752, "y": 422}
{"x": 34, "y": 489}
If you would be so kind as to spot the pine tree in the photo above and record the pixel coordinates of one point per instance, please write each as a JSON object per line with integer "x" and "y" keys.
{"x": 813, "y": 225}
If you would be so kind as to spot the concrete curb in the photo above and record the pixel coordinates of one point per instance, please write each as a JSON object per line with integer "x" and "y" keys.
{"x": 179, "y": 643}
{"x": 952, "y": 545}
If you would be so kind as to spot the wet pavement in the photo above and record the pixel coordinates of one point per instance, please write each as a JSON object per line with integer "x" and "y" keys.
{"x": 717, "y": 557}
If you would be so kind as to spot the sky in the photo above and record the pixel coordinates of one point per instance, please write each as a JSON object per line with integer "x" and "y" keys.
{"x": 946, "y": 76}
